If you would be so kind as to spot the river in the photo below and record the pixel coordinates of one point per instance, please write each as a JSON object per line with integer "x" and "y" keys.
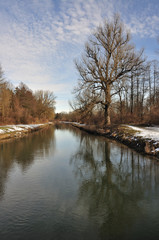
{"x": 62, "y": 183}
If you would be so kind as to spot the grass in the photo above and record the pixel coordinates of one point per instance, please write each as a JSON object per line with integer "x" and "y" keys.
{"x": 127, "y": 130}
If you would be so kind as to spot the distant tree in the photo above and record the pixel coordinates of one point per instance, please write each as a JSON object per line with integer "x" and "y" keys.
{"x": 26, "y": 101}
{"x": 18, "y": 111}
{"x": 2, "y": 79}
{"x": 45, "y": 104}
{"x": 85, "y": 102}
{"x": 108, "y": 59}
{"x": 5, "y": 97}
{"x": 155, "y": 80}
{"x": 2, "y": 85}
{"x": 25, "y": 96}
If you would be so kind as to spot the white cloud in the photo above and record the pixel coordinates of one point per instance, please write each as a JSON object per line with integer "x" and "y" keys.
{"x": 145, "y": 26}
{"x": 38, "y": 42}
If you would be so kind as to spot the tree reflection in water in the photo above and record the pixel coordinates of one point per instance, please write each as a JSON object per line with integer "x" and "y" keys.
{"x": 113, "y": 181}
{"x": 22, "y": 152}
{"x": 115, "y": 193}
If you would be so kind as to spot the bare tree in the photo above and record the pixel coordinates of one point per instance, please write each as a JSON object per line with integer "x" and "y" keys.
{"x": 45, "y": 104}
{"x": 155, "y": 65}
{"x": 108, "y": 58}
{"x": 5, "y": 96}
{"x": 85, "y": 102}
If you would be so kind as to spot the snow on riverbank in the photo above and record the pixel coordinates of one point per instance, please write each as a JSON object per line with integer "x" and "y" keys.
{"x": 142, "y": 139}
{"x": 18, "y": 128}
{"x": 147, "y": 132}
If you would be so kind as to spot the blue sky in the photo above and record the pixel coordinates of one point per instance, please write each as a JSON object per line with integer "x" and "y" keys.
{"x": 40, "y": 39}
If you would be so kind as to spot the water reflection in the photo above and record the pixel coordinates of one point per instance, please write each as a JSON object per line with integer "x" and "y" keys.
{"x": 77, "y": 187}
{"x": 23, "y": 151}
{"x": 113, "y": 182}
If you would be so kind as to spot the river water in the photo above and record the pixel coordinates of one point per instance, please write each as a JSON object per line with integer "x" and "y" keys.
{"x": 62, "y": 183}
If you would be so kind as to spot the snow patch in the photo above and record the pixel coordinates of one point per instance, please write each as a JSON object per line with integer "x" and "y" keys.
{"x": 151, "y": 133}
{"x": 18, "y": 128}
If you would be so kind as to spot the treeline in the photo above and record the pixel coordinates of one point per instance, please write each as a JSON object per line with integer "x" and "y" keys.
{"x": 21, "y": 105}
{"x": 136, "y": 101}
{"x": 116, "y": 84}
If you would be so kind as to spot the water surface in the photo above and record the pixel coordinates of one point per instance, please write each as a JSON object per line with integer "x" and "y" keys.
{"x": 62, "y": 183}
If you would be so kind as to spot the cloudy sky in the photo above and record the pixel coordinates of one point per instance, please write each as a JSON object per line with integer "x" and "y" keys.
{"x": 39, "y": 39}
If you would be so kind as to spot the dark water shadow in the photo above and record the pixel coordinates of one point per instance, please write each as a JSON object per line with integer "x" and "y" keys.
{"x": 22, "y": 151}
{"x": 114, "y": 181}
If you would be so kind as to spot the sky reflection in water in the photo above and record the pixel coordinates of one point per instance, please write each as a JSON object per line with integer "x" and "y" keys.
{"x": 61, "y": 183}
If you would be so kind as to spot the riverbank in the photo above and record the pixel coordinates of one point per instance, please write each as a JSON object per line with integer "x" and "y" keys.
{"x": 142, "y": 139}
{"x": 16, "y": 131}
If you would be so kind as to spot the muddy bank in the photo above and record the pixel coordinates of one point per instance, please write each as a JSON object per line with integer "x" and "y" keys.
{"x": 17, "y": 131}
{"x": 126, "y": 136}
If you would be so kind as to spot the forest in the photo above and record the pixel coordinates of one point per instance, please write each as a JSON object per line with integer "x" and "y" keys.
{"x": 21, "y": 105}
{"x": 116, "y": 84}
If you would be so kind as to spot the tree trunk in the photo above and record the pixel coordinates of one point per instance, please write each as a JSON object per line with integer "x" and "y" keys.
{"x": 107, "y": 106}
{"x": 137, "y": 96}
{"x": 132, "y": 95}
{"x": 107, "y": 115}
{"x": 150, "y": 96}
{"x": 154, "y": 85}
{"x": 121, "y": 108}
